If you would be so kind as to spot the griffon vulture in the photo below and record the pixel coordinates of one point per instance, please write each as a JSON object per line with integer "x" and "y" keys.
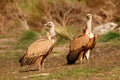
{"x": 40, "y": 49}
{"x": 81, "y": 46}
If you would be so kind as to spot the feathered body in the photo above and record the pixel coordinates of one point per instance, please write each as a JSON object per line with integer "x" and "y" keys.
{"x": 39, "y": 50}
{"x": 80, "y": 47}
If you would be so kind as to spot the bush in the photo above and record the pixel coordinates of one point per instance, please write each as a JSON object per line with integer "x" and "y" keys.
{"x": 28, "y": 35}
{"x": 110, "y": 36}
{"x": 61, "y": 41}
{"x": 26, "y": 39}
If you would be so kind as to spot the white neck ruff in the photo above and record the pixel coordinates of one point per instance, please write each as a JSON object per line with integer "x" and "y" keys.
{"x": 89, "y": 24}
{"x": 52, "y": 31}
{"x": 91, "y": 35}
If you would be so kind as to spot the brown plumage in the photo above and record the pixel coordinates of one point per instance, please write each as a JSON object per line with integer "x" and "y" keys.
{"x": 40, "y": 49}
{"x": 80, "y": 47}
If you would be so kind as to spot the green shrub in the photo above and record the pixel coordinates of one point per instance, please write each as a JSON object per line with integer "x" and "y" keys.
{"x": 28, "y": 35}
{"x": 110, "y": 36}
{"x": 26, "y": 38}
{"x": 61, "y": 41}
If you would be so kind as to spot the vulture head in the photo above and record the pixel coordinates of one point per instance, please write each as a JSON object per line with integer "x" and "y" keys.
{"x": 89, "y": 16}
{"x": 49, "y": 24}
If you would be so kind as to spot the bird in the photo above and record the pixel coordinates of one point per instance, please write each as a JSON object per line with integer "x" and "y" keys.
{"x": 81, "y": 46}
{"x": 40, "y": 49}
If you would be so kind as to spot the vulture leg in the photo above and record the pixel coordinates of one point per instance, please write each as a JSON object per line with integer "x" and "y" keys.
{"x": 42, "y": 64}
{"x": 87, "y": 54}
{"x": 37, "y": 63}
{"x": 81, "y": 57}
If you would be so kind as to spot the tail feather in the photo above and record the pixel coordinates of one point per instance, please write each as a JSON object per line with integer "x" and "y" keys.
{"x": 27, "y": 61}
{"x": 73, "y": 56}
{"x": 32, "y": 60}
{"x": 21, "y": 60}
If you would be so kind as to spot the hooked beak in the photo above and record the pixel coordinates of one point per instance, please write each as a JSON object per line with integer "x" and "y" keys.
{"x": 87, "y": 17}
{"x": 45, "y": 24}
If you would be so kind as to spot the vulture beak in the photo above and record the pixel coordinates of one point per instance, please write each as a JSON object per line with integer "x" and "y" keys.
{"x": 49, "y": 24}
{"x": 87, "y": 16}
{"x": 47, "y": 27}
{"x": 45, "y": 24}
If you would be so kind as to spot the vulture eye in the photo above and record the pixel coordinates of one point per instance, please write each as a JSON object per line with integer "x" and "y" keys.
{"x": 49, "y": 23}
{"x": 88, "y": 15}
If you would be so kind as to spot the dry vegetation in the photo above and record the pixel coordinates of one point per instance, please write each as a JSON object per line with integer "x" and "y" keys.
{"x": 104, "y": 64}
{"x": 64, "y": 13}
{"x": 69, "y": 16}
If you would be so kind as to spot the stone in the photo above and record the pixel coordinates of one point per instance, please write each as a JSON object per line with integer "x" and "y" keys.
{"x": 104, "y": 28}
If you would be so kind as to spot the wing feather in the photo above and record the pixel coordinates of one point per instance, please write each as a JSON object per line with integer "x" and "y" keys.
{"x": 79, "y": 42}
{"x": 76, "y": 47}
{"x": 39, "y": 47}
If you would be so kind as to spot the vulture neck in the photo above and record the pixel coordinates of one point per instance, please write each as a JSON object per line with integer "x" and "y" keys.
{"x": 52, "y": 32}
{"x": 88, "y": 31}
{"x": 89, "y": 24}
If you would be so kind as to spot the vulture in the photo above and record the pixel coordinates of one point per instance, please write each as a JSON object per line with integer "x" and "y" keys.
{"x": 40, "y": 49}
{"x": 81, "y": 46}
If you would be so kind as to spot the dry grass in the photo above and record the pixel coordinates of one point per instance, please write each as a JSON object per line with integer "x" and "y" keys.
{"x": 104, "y": 60}
{"x": 63, "y": 13}
{"x": 104, "y": 64}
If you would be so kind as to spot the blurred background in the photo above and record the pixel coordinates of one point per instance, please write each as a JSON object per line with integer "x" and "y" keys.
{"x": 21, "y": 23}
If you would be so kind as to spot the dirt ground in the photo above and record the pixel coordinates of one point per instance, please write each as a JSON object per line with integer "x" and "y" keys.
{"x": 104, "y": 64}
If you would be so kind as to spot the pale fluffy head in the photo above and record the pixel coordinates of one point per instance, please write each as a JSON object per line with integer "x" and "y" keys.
{"x": 49, "y": 24}
{"x": 88, "y": 16}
